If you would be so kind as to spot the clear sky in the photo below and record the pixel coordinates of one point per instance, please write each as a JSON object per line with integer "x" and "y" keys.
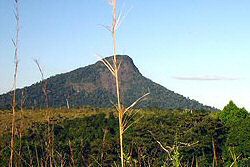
{"x": 198, "y": 48}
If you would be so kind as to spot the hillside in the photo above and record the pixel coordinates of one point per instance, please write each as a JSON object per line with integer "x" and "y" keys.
{"x": 93, "y": 85}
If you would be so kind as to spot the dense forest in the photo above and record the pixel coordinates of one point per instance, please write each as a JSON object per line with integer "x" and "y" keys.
{"x": 93, "y": 85}
{"x": 89, "y": 137}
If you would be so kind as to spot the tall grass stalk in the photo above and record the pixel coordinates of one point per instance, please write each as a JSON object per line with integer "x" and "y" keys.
{"x": 234, "y": 157}
{"x": 72, "y": 159}
{"x": 16, "y": 61}
{"x": 114, "y": 69}
{"x": 21, "y": 128}
{"x": 173, "y": 151}
{"x": 50, "y": 144}
{"x": 215, "y": 157}
{"x": 44, "y": 84}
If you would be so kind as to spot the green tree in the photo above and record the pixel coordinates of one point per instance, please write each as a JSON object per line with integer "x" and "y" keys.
{"x": 237, "y": 121}
{"x": 231, "y": 114}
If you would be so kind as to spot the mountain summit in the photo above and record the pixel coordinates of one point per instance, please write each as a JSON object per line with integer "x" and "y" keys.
{"x": 94, "y": 85}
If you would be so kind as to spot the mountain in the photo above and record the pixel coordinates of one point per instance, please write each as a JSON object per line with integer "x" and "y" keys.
{"x": 94, "y": 85}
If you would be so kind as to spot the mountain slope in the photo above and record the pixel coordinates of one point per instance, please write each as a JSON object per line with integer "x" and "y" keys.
{"x": 93, "y": 85}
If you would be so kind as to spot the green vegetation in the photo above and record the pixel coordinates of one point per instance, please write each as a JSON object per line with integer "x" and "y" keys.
{"x": 90, "y": 137}
{"x": 237, "y": 120}
{"x": 94, "y": 85}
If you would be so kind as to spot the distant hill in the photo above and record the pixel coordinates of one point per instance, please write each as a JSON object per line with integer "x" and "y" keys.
{"x": 93, "y": 85}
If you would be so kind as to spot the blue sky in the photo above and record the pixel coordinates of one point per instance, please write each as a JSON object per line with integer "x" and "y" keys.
{"x": 198, "y": 48}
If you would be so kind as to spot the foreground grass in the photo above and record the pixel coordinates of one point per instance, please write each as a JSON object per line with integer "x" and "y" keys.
{"x": 90, "y": 137}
